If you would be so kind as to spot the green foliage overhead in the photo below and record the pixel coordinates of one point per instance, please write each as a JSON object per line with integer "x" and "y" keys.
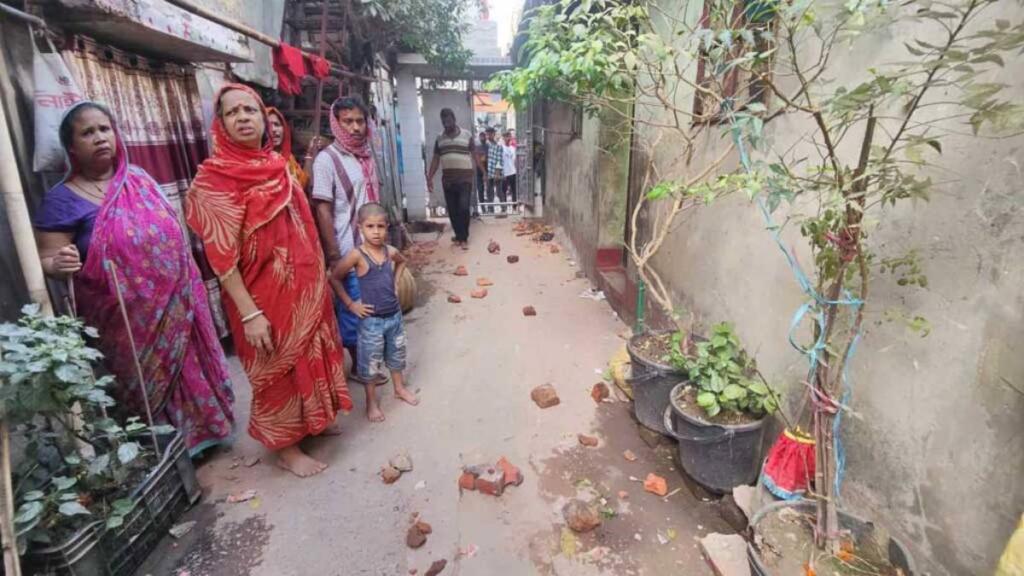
{"x": 433, "y": 28}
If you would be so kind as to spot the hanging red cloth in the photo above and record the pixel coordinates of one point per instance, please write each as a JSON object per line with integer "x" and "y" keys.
{"x": 290, "y": 65}
{"x": 319, "y": 66}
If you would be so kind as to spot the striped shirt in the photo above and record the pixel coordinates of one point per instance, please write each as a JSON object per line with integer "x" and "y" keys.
{"x": 456, "y": 156}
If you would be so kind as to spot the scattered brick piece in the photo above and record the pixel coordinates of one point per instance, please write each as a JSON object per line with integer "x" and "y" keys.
{"x": 479, "y": 293}
{"x": 599, "y": 392}
{"x": 414, "y": 538}
{"x": 511, "y": 475}
{"x": 424, "y": 527}
{"x": 623, "y": 495}
{"x": 656, "y": 484}
{"x": 454, "y": 299}
{"x": 467, "y": 481}
{"x": 545, "y": 396}
{"x": 483, "y": 282}
{"x": 581, "y": 516}
{"x": 389, "y": 474}
{"x": 491, "y": 482}
{"x": 436, "y": 568}
{"x": 529, "y": 311}
{"x": 628, "y": 455}
{"x": 512, "y": 259}
{"x": 461, "y": 271}
{"x": 555, "y": 249}
{"x": 588, "y": 441}
{"x": 493, "y": 247}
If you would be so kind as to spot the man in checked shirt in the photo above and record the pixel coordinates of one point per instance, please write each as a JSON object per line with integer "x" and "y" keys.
{"x": 495, "y": 175}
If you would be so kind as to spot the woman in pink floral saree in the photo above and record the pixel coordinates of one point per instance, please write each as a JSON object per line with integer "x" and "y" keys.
{"x": 108, "y": 222}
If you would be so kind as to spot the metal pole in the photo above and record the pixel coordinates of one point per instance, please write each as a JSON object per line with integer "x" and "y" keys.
{"x": 15, "y": 13}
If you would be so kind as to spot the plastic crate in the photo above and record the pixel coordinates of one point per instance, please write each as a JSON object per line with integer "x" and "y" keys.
{"x": 169, "y": 490}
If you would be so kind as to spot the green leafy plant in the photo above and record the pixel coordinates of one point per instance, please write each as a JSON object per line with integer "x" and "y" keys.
{"x": 433, "y": 28}
{"x": 721, "y": 371}
{"x": 78, "y": 461}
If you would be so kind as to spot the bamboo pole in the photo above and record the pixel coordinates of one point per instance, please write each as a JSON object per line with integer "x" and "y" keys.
{"x": 12, "y": 567}
{"x": 318, "y": 109}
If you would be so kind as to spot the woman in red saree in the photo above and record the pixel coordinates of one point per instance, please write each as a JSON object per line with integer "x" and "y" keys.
{"x": 281, "y": 138}
{"x": 261, "y": 242}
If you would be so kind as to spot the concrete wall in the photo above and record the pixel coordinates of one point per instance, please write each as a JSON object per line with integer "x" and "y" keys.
{"x": 414, "y": 182}
{"x": 937, "y": 450}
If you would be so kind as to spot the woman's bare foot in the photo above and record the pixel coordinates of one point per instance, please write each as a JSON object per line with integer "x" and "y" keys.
{"x": 298, "y": 462}
{"x": 374, "y": 414}
{"x": 403, "y": 393}
{"x": 332, "y": 430}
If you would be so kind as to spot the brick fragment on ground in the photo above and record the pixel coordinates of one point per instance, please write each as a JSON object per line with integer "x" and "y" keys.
{"x": 493, "y": 247}
{"x": 588, "y": 441}
{"x": 726, "y": 554}
{"x": 461, "y": 271}
{"x": 555, "y": 249}
{"x": 424, "y": 527}
{"x": 512, "y": 259}
{"x": 479, "y": 293}
{"x": 491, "y": 481}
{"x": 656, "y": 484}
{"x": 467, "y": 481}
{"x": 599, "y": 392}
{"x": 628, "y": 455}
{"x": 511, "y": 474}
{"x": 436, "y": 567}
{"x": 484, "y": 282}
{"x": 414, "y": 538}
{"x": 529, "y": 311}
{"x": 454, "y": 299}
{"x": 545, "y": 396}
{"x": 623, "y": 495}
{"x": 389, "y": 474}
{"x": 581, "y": 516}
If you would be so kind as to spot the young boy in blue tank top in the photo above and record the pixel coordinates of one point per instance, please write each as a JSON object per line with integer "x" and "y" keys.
{"x": 381, "y": 331}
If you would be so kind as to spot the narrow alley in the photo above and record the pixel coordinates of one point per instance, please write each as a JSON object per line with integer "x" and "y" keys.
{"x": 473, "y": 364}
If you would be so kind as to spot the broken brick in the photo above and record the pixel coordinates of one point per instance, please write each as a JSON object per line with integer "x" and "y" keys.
{"x": 599, "y": 392}
{"x": 436, "y": 567}
{"x": 467, "y": 481}
{"x": 656, "y": 484}
{"x": 545, "y": 396}
{"x": 454, "y": 299}
{"x": 628, "y": 455}
{"x": 389, "y": 474}
{"x": 414, "y": 538}
{"x": 493, "y": 247}
{"x": 484, "y": 282}
{"x": 555, "y": 249}
{"x": 511, "y": 475}
{"x": 512, "y": 259}
{"x": 623, "y": 495}
{"x": 491, "y": 482}
{"x": 461, "y": 271}
{"x": 529, "y": 311}
{"x": 588, "y": 441}
{"x": 424, "y": 527}
{"x": 479, "y": 293}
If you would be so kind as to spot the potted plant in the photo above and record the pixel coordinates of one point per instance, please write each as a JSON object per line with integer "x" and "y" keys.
{"x": 88, "y": 487}
{"x": 718, "y": 415}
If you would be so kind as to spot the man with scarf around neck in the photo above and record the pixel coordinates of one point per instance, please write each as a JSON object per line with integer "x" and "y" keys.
{"x": 345, "y": 178}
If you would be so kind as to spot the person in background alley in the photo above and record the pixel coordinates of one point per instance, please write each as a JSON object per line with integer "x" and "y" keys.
{"x": 261, "y": 241}
{"x": 108, "y": 212}
{"x": 508, "y": 169}
{"x": 453, "y": 153}
{"x": 381, "y": 330}
{"x": 510, "y": 137}
{"x": 344, "y": 178}
{"x": 281, "y": 138}
{"x": 495, "y": 167}
{"x": 480, "y": 155}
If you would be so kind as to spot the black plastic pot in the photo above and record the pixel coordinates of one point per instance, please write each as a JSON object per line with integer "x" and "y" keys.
{"x": 718, "y": 457}
{"x": 899, "y": 556}
{"x": 651, "y": 382}
{"x": 166, "y": 493}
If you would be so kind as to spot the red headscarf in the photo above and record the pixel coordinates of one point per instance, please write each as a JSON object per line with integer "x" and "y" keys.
{"x": 236, "y": 191}
{"x": 360, "y": 148}
{"x": 286, "y": 147}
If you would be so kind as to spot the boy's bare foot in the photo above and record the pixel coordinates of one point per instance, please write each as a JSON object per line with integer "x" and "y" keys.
{"x": 299, "y": 463}
{"x": 403, "y": 393}
{"x": 374, "y": 414}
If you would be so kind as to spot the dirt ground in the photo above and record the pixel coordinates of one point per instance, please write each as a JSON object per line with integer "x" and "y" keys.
{"x": 473, "y": 365}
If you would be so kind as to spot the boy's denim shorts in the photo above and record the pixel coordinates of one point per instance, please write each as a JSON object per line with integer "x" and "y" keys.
{"x": 381, "y": 344}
